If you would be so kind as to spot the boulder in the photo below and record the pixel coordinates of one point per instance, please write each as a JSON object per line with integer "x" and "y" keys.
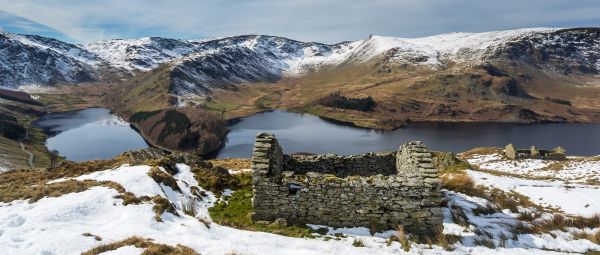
{"x": 510, "y": 151}
{"x": 535, "y": 152}
{"x": 558, "y": 153}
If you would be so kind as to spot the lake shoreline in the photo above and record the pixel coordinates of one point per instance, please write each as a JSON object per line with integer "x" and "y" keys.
{"x": 443, "y": 131}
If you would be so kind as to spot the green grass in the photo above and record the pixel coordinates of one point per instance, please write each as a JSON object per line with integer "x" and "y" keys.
{"x": 237, "y": 213}
{"x": 447, "y": 162}
{"x": 220, "y": 106}
{"x": 266, "y": 102}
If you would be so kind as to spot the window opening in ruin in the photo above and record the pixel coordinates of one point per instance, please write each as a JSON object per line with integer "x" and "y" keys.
{"x": 294, "y": 188}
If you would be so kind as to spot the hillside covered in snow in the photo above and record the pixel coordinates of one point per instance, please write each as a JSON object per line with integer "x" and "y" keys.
{"x": 134, "y": 203}
{"x": 199, "y": 65}
{"x": 524, "y": 75}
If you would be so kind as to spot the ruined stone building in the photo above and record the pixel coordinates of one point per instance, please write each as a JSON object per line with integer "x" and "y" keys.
{"x": 558, "y": 153}
{"x": 375, "y": 190}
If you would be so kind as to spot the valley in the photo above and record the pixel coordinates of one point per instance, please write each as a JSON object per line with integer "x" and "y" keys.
{"x": 180, "y": 94}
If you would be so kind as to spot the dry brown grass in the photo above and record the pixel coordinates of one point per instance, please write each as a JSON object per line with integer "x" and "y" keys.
{"x": 32, "y": 184}
{"x": 481, "y": 151}
{"x": 485, "y": 242}
{"x": 188, "y": 206}
{"x": 400, "y": 235}
{"x": 164, "y": 178}
{"x": 214, "y": 179}
{"x": 463, "y": 183}
{"x": 560, "y": 222}
{"x": 150, "y": 247}
{"x": 162, "y": 205}
{"x": 358, "y": 243}
{"x": 232, "y": 163}
{"x": 459, "y": 182}
{"x": 530, "y": 225}
{"x": 39, "y": 191}
{"x": 130, "y": 198}
{"x": 442, "y": 240}
{"x": 593, "y": 237}
{"x": 97, "y": 238}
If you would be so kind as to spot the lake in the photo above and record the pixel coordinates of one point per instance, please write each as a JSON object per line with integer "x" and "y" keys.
{"x": 307, "y": 133}
{"x": 89, "y": 134}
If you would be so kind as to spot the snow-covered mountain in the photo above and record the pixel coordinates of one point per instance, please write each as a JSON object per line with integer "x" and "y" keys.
{"x": 244, "y": 59}
{"x": 199, "y": 66}
{"x": 28, "y": 59}
{"x": 144, "y": 54}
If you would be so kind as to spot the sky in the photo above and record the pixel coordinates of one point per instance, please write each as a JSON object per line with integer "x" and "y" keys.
{"x": 327, "y": 21}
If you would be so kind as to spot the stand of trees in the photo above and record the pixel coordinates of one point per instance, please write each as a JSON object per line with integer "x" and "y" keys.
{"x": 337, "y": 100}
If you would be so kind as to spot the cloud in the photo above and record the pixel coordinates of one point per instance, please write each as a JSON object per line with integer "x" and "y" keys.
{"x": 309, "y": 20}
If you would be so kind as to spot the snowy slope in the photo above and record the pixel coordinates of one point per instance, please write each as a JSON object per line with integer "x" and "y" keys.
{"x": 241, "y": 59}
{"x": 201, "y": 65}
{"x": 54, "y": 225}
{"x": 27, "y": 59}
{"x": 144, "y": 53}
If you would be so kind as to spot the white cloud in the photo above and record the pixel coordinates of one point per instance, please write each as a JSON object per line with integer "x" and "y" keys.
{"x": 314, "y": 20}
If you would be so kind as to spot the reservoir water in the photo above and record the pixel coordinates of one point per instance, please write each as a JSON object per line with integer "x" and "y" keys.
{"x": 89, "y": 134}
{"x": 94, "y": 133}
{"x": 307, "y": 133}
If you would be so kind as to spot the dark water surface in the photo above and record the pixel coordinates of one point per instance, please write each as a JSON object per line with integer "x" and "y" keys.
{"x": 307, "y": 133}
{"x": 89, "y": 134}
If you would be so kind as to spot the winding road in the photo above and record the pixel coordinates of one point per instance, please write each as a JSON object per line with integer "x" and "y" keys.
{"x": 31, "y": 156}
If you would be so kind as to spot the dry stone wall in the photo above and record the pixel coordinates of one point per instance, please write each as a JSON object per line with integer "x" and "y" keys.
{"x": 375, "y": 190}
{"x": 364, "y": 165}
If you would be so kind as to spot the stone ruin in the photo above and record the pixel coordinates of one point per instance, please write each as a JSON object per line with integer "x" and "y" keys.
{"x": 376, "y": 190}
{"x": 558, "y": 153}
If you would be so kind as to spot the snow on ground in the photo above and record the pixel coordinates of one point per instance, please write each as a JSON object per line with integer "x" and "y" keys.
{"x": 36, "y": 88}
{"x": 575, "y": 169}
{"x": 55, "y": 225}
{"x": 5, "y": 163}
{"x": 497, "y": 228}
{"x": 573, "y": 199}
{"x": 125, "y": 250}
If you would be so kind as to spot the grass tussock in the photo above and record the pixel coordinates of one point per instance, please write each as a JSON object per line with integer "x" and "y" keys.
{"x": 400, "y": 236}
{"x": 97, "y": 238}
{"x": 443, "y": 240}
{"x": 358, "y": 243}
{"x": 217, "y": 179}
{"x": 461, "y": 182}
{"x": 560, "y": 222}
{"x": 593, "y": 237}
{"x": 150, "y": 247}
{"x": 237, "y": 213}
{"x": 485, "y": 242}
{"x": 232, "y": 163}
{"x": 188, "y": 206}
{"x": 160, "y": 176}
{"x": 129, "y": 198}
{"x": 162, "y": 205}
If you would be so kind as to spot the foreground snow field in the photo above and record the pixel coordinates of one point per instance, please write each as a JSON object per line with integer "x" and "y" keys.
{"x": 562, "y": 187}
{"x": 55, "y": 225}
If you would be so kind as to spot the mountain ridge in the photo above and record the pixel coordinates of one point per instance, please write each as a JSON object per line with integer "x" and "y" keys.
{"x": 457, "y": 75}
{"x": 149, "y": 52}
